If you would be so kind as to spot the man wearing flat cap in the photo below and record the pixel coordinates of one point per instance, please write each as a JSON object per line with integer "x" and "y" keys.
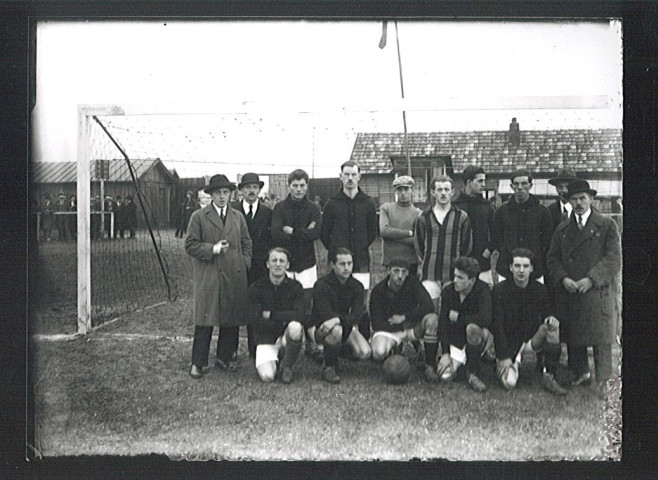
{"x": 396, "y": 225}
{"x": 584, "y": 257}
{"x": 561, "y": 209}
{"x": 259, "y": 219}
{"x": 219, "y": 243}
{"x": 402, "y": 310}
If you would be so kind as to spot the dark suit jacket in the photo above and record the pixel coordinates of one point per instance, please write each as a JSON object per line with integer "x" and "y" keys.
{"x": 555, "y": 210}
{"x": 259, "y": 230}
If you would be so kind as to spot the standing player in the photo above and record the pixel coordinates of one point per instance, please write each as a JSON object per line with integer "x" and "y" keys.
{"x": 296, "y": 224}
{"x": 277, "y": 315}
{"x": 464, "y": 324}
{"x": 402, "y": 310}
{"x": 349, "y": 221}
{"x": 396, "y": 225}
{"x": 338, "y": 300}
{"x": 481, "y": 213}
{"x": 522, "y": 222}
{"x": 523, "y": 322}
{"x": 443, "y": 234}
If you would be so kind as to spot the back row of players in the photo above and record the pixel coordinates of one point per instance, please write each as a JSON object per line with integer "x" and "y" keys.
{"x": 257, "y": 266}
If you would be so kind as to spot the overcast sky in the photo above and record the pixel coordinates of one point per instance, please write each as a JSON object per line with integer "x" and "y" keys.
{"x": 295, "y": 93}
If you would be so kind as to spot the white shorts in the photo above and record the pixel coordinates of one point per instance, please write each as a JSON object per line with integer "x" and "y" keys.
{"x": 433, "y": 287}
{"x": 268, "y": 352}
{"x": 397, "y": 337}
{"x": 306, "y": 277}
{"x": 458, "y": 354}
{"x": 364, "y": 278}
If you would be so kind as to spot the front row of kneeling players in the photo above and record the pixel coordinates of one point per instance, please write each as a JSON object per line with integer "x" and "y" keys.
{"x": 473, "y": 321}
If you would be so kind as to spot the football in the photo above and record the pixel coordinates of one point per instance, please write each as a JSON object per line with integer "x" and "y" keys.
{"x": 397, "y": 369}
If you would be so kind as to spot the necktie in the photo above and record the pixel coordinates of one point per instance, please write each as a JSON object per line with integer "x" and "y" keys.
{"x": 250, "y": 215}
{"x": 223, "y": 216}
{"x": 565, "y": 214}
{"x": 580, "y": 222}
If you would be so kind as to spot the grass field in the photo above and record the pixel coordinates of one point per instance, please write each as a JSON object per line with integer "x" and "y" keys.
{"x": 124, "y": 389}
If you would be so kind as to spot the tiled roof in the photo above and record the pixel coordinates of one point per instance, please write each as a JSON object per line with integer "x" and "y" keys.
{"x": 66, "y": 172}
{"x": 539, "y": 150}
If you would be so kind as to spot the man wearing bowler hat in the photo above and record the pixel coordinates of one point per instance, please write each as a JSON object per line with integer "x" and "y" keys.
{"x": 561, "y": 209}
{"x": 584, "y": 257}
{"x": 219, "y": 243}
{"x": 259, "y": 219}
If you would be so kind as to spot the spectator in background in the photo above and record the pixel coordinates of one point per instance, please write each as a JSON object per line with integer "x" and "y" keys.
{"x": 130, "y": 216}
{"x": 522, "y": 222}
{"x": 46, "y": 207}
{"x": 296, "y": 224}
{"x": 349, "y": 221}
{"x": 61, "y": 219}
{"x": 481, "y": 213}
{"x": 96, "y": 233}
{"x": 187, "y": 207}
{"x": 73, "y": 219}
{"x": 110, "y": 212}
{"x": 119, "y": 218}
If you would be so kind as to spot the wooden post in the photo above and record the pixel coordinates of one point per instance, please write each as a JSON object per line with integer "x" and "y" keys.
{"x": 84, "y": 232}
{"x": 85, "y": 118}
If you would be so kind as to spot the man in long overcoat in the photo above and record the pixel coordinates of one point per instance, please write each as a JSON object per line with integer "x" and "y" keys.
{"x": 584, "y": 257}
{"x": 219, "y": 242}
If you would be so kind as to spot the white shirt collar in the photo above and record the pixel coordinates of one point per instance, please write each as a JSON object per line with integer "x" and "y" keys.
{"x": 566, "y": 206}
{"x": 585, "y": 216}
{"x": 245, "y": 207}
{"x": 219, "y": 210}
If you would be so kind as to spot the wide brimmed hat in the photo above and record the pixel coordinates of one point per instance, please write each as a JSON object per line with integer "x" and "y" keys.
{"x": 563, "y": 176}
{"x": 218, "y": 181}
{"x": 579, "y": 186}
{"x": 248, "y": 178}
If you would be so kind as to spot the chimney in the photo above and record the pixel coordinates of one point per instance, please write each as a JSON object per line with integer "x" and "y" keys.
{"x": 514, "y": 134}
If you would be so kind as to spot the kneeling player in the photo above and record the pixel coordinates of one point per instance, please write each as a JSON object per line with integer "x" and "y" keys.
{"x": 464, "y": 323}
{"x": 522, "y": 322}
{"x": 402, "y": 310}
{"x": 277, "y": 313}
{"x": 337, "y": 308}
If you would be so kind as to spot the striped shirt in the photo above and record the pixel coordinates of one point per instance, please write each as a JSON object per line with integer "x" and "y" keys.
{"x": 438, "y": 245}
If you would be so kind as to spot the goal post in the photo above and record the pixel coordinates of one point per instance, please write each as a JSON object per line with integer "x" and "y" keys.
{"x": 83, "y": 193}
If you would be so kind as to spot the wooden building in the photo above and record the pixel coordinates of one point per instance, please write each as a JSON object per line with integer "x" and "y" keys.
{"x": 110, "y": 177}
{"x": 593, "y": 154}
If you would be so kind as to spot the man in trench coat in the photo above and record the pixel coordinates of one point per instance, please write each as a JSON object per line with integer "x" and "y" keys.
{"x": 584, "y": 257}
{"x": 219, "y": 243}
